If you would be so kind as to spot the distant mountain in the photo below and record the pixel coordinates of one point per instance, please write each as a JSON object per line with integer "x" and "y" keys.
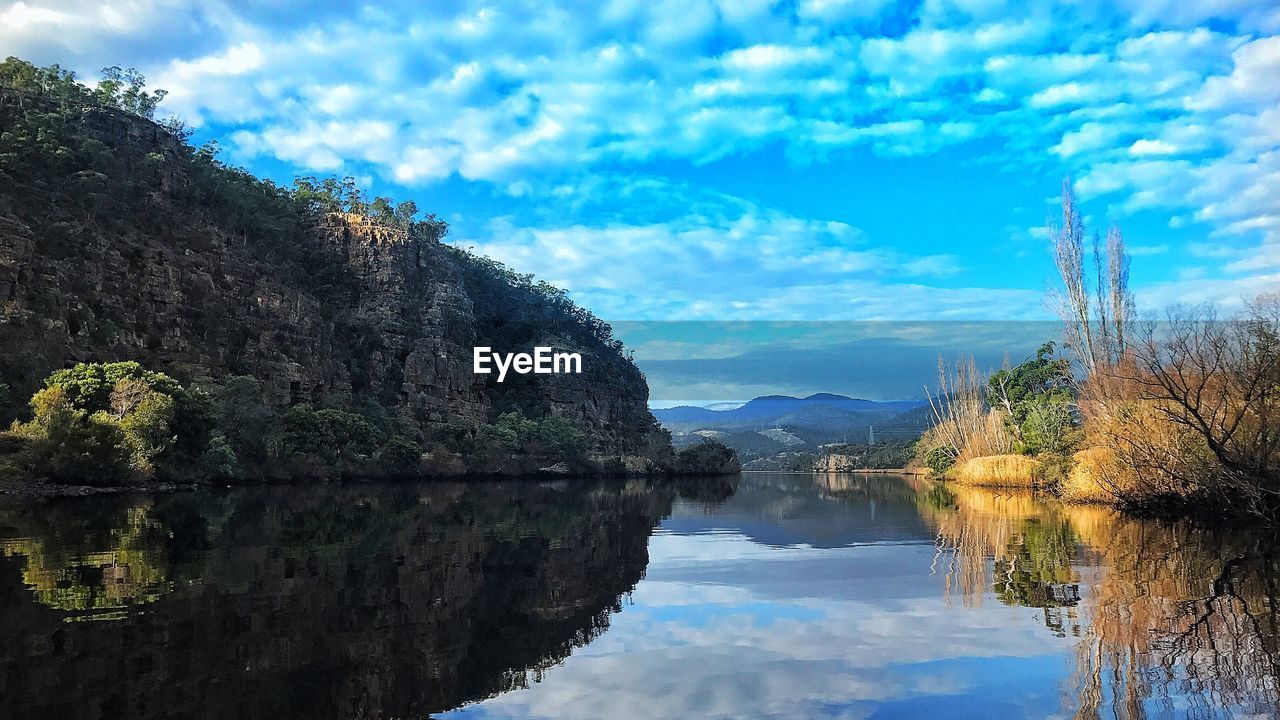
{"x": 781, "y": 428}
{"x": 819, "y": 411}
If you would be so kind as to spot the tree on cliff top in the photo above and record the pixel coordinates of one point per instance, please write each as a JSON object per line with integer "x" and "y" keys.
{"x": 122, "y": 89}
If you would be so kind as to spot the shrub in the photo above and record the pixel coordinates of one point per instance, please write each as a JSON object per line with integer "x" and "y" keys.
{"x": 335, "y": 435}
{"x": 145, "y": 418}
{"x": 101, "y": 423}
{"x": 220, "y": 460}
{"x": 249, "y": 426}
{"x": 399, "y": 455}
{"x": 939, "y": 458}
{"x": 1048, "y": 426}
{"x": 88, "y": 386}
{"x": 560, "y": 437}
{"x": 998, "y": 471}
{"x": 551, "y": 437}
{"x": 1143, "y": 460}
{"x": 1093, "y": 478}
{"x": 65, "y": 444}
{"x": 709, "y": 457}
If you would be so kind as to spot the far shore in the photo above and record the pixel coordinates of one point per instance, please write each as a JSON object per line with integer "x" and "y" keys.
{"x": 861, "y": 471}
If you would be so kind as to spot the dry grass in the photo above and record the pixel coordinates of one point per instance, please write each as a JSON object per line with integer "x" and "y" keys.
{"x": 1136, "y": 456}
{"x": 961, "y": 420}
{"x": 1095, "y": 472}
{"x": 997, "y": 471}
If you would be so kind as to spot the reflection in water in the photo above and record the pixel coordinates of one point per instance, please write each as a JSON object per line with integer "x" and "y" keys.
{"x": 118, "y": 566}
{"x": 1181, "y": 620}
{"x": 774, "y": 595}
{"x": 356, "y": 601}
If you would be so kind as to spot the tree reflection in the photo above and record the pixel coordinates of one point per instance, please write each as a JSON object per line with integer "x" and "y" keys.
{"x": 94, "y": 572}
{"x": 341, "y": 601}
{"x": 1172, "y": 619}
{"x": 1183, "y": 620}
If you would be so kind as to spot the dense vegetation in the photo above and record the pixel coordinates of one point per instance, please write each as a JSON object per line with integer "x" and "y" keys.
{"x": 117, "y": 423}
{"x": 57, "y": 175}
{"x": 883, "y": 455}
{"x": 1181, "y": 415}
{"x": 709, "y": 457}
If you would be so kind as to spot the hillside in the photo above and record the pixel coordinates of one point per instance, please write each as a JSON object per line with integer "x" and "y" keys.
{"x": 120, "y": 241}
{"x": 821, "y": 414}
{"x": 780, "y": 432}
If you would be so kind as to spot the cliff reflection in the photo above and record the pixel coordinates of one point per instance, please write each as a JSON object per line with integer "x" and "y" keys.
{"x": 352, "y": 602}
{"x": 1171, "y": 620}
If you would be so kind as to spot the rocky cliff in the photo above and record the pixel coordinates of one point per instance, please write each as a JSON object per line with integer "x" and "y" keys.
{"x": 122, "y": 249}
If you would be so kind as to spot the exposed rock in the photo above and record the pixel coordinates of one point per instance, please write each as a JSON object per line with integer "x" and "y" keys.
{"x": 192, "y": 299}
{"x": 836, "y": 463}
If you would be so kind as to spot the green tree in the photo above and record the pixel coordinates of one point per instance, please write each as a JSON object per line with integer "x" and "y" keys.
{"x": 1038, "y": 400}
{"x": 94, "y": 422}
{"x": 248, "y": 425}
{"x": 560, "y": 437}
{"x": 405, "y": 212}
{"x": 126, "y": 89}
{"x": 219, "y": 460}
{"x": 335, "y": 435}
{"x": 89, "y": 386}
{"x": 709, "y": 457}
{"x": 399, "y": 455}
{"x": 146, "y": 421}
{"x": 64, "y": 443}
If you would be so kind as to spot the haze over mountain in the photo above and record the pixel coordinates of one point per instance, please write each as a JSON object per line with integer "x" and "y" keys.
{"x": 820, "y": 410}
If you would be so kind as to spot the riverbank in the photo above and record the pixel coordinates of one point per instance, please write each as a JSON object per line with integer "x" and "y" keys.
{"x": 43, "y": 488}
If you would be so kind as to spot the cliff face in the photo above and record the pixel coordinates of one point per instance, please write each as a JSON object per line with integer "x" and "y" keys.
{"x": 183, "y": 293}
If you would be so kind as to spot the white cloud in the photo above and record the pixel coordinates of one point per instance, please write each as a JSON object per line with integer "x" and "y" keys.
{"x": 772, "y": 57}
{"x": 1149, "y": 108}
{"x": 1089, "y": 136}
{"x": 1252, "y": 82}
{"x": 1152, "y": 147}
{"x": 731, "y": 259}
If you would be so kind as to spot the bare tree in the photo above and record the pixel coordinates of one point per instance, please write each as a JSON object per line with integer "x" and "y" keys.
{"x": 1096, "y": 319}
{"x": 1121, "y": 299}
{"x": 962, "y": 422}
{"x": 1221, "y": 380}
{"x": 1104, "y": 341}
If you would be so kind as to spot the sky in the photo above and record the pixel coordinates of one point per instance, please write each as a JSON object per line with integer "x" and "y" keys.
{"x": 749, "y": 160}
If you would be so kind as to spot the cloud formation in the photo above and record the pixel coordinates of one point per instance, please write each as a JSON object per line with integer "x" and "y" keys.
{"x": 721, "y": 624}
{"x": 1154, "y": 105}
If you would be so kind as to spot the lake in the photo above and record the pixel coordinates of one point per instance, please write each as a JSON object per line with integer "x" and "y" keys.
{"x": 765, "y": 595}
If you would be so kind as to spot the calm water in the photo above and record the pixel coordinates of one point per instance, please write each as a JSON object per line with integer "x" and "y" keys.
{"x": 760, "y": 596}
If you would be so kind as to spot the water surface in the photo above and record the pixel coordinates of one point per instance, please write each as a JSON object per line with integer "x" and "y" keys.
{"x": 769, "y": 595}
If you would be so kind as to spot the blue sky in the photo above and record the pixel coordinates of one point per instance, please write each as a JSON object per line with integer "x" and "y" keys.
{"x": 749, "y": 160}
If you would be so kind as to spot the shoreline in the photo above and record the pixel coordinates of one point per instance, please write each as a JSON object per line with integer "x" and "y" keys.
{"x": 43, "y": 489}
{"x": 866, "y": 471}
